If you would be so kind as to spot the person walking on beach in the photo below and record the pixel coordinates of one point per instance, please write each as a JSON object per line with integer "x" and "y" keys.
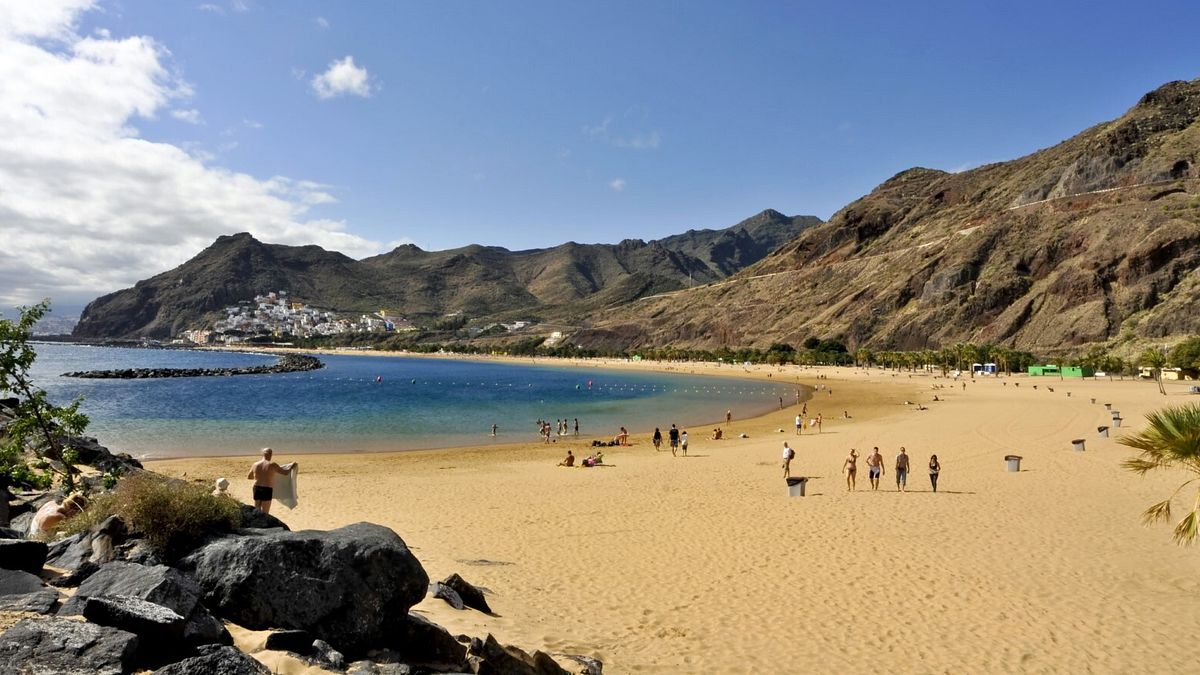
{"x": 902, "y": 471}
{"x": 673, "y": 439}
{"x": 934, "y": 469}
{"x": 657, "y": 439}
{"x": 819, "y": 419}
{"x": 263, "y": 473}
{"x": 683, "y": 442}
{"x": 788, "y": 455}
{"x": 874, "y": 467}
{"x": 728, "y": 417}
{"x": 799, "y": 424}
{"x": 576, "y": 426}
{"x": 851, "y": 469}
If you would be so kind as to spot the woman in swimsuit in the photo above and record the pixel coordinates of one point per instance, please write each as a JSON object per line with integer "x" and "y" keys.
{"x": 851, "y": 469}
{"x": 657, "y": 438}
{"x": 934, "y": 469}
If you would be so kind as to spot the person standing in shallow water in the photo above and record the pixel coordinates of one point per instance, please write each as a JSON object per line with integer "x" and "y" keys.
{"x": 935, "y": 468}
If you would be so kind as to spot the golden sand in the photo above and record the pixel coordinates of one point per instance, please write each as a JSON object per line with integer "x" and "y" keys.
{"x": 661, "y": 564}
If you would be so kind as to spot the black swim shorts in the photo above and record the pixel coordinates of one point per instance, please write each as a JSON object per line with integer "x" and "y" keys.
{"x": 263, "y": 493}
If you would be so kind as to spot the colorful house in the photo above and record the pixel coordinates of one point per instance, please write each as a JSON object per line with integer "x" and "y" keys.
{"x": 1065, "y": 371}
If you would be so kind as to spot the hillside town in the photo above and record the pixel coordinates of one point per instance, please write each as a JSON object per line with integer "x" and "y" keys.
{"x": 276, "y": 315}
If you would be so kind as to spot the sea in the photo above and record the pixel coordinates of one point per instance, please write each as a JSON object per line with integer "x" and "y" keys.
{"x": 372, "y": 403}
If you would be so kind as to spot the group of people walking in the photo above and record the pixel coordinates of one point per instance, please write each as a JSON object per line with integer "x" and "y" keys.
{"x": 875, "y": 471}
{"x": 678, "y": 440}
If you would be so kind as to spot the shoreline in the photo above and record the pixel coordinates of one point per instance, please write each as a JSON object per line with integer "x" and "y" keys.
{"x": 640, "y": 560}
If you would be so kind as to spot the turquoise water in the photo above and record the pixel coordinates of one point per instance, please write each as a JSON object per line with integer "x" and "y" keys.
{"x": 417, "y": 403}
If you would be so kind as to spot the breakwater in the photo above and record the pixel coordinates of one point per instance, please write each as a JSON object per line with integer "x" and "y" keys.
{"x": 287, "y": 363}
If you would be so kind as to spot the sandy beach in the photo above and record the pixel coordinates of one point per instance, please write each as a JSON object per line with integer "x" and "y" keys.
{"x": 704, "y": 564}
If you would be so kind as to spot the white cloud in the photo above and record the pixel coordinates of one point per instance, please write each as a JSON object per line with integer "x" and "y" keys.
{"x": 253, "y": 124}
{"x": 342, "y": 78}
{"x": 86, "y": 205}
{"x": 605, "y": 132}
{"x": 190, "y": 115}
{"x": 617, "y": 184}
{"x": 321, "y": 22}
{"x": 210, "y": 7}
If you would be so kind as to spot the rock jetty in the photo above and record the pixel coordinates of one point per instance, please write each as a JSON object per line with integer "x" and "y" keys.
{"x": 288, "y": 363}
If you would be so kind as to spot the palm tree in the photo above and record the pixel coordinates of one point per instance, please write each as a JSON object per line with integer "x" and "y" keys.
{"x": 1171, "y": 440}
{"x": 1155, "y": 359}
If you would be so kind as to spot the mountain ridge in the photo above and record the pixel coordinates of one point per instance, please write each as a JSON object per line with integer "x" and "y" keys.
{"x": 1093, "y": 240}
{"x": 564, "y": 282}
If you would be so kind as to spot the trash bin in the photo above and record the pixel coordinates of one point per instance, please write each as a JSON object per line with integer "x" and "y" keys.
{"x": 796, "y": 486}
{"x": 1078, "y": 444}
{"x": 1108, "y": 406}
{"x": 1115, "y": 413}
{"x": 1103, "y": 431}
{"x": 1117, "y": 422}
{"x": 1068, "y": 394}
{"x": 1014, "y": 462}
{"x": 1093, "y": 401}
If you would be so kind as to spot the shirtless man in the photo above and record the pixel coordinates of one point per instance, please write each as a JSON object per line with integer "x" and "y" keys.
{"x": 874, "y": 467}
{"x": 263, "y": 473}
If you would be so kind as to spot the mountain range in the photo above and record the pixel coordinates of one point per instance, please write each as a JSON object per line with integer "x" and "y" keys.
{"x": 566, "y": 283}
{"x": 1095, "y": 240}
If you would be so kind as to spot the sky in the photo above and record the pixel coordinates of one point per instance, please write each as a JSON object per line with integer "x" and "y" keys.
{"x": 135, "y": 132}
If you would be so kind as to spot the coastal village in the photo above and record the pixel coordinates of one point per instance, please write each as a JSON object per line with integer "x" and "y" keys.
{"x": 277, "y": 315}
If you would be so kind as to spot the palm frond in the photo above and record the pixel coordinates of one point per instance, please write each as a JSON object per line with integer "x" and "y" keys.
{"x": 1139, "y": 465}
{"x": 1187, "y": 529}
{"x": 1157, "y": 512}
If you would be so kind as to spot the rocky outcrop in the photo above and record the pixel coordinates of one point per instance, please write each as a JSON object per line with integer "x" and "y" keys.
{"x": 24, "y": 592}
{"x": 351, "y": 587}
{"x": 160, "y": 585}
{"x": 65, "y": 647}
{"x": 22, "y": 554}
{"x": 288, "y": 363}
{"x": 471, "y": 597}
{"x": 159, "y": 629}
{"x": 216, "y": 661}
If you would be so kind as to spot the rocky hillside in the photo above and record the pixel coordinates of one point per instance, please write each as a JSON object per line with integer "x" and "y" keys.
{"x": 1096, "y": 239}
{"x": 564, "y": 283}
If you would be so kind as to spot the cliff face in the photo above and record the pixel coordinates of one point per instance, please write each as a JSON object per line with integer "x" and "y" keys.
{"x": 1093, "y": 239}
{"x": 567, "y": 282}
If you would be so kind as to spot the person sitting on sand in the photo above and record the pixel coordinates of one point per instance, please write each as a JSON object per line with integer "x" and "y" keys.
{"x": 52, "y": 513}
{"x": 569, "y": 460}
{"x": 623, "y": 437}
{"x": 717, "y": 434}
{"x": 221, "y": 489}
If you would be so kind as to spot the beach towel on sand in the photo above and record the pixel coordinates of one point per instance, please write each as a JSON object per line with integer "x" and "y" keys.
{"x": 286, "y": 492}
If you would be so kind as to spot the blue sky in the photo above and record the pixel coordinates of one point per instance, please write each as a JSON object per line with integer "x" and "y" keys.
{"x": 361, "y": 125}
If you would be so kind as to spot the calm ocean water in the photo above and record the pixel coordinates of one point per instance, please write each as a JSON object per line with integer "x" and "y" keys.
{"x": 419, "y": 403}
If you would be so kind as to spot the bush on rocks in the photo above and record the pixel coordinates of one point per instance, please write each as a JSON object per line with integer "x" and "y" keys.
{"x": 174, "y": 517}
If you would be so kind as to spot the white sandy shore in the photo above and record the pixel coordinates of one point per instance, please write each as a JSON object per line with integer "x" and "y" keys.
{"x": 657, "y": 564}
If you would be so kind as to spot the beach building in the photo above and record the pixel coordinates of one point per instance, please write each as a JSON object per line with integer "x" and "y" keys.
{"x": 1064, "y": 371}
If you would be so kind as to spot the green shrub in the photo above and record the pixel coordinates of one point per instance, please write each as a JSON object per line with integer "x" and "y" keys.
{"x": 173, "y": 516}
